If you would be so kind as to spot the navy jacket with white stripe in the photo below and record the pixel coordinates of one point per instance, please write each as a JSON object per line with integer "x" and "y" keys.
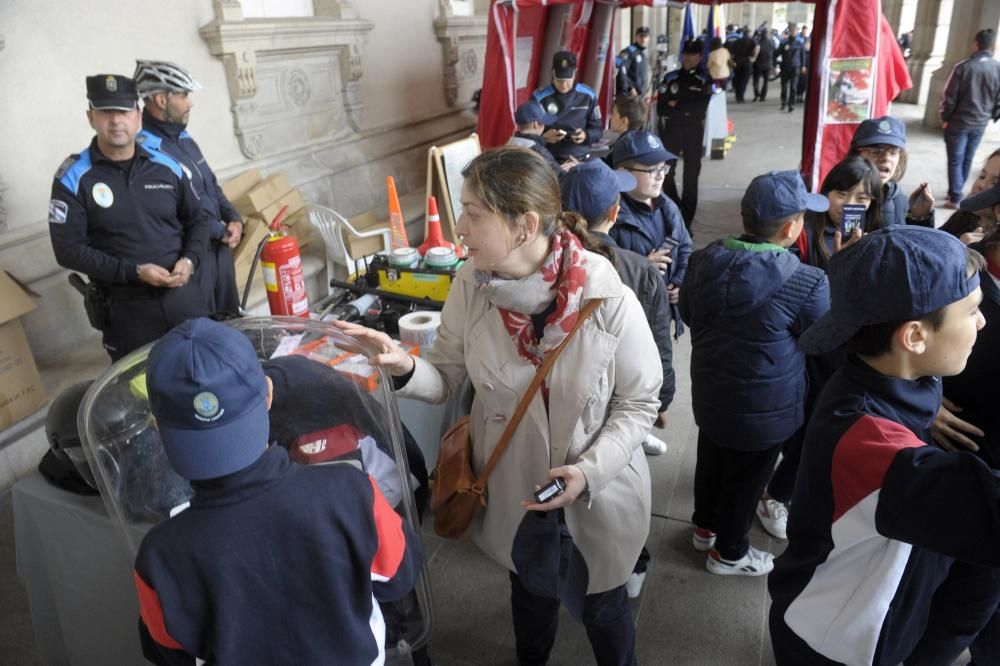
{"x": 879, "y": 515}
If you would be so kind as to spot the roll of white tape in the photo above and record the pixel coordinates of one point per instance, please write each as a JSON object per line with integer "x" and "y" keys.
{"x": 419, "y": 328}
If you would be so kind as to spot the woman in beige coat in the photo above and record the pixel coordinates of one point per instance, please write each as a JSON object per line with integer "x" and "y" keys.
{"x": 511, "y": 304}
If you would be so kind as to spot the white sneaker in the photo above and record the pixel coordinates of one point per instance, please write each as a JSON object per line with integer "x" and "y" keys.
{"x": 654, "y": 446}
{"x": 633, "y": 586}
{"x": 773, "y": 517}
{"x": 703, "y": 539}
{"x": 753, "y": 563}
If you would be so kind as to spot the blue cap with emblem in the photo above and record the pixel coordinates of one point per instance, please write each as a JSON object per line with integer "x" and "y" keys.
{"x": 897, "y": 273}
{"x": 111, "y": 92}
{"x": 777, "y": 195}
{"x": 591, "y": 188}
{"x": 642, "y": 147}
{"x": 880, "y": 131}
{"x": 208, "y": 394}
{"x": 530, "y": 112}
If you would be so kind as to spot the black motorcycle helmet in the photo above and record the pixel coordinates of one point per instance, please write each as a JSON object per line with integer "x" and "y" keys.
{"x": 64, "y": 464}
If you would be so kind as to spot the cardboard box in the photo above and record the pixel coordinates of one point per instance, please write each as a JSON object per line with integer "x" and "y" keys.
{"x": 360, "y": 247}
{"x": 265, "y": 193}
{"x": 237, "y": 187}
{"x": 299, "y": 226}
{"x": 21, "y": 391}
{"x": 254, "y": 230}
{"x": 292, "y": 199}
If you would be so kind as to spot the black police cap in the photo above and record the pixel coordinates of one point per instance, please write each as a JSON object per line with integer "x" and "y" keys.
{"x": 111, "y": 91}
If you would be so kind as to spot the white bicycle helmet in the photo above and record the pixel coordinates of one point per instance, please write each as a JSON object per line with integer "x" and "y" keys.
{"x": 158, "y": 75}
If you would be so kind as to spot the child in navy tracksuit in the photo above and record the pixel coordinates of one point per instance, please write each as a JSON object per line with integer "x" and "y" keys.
{"x": 747, "y": 300}
{"x": 274, "y": 562}
{"x": 649, "y": 223}
{"x": 879, "y": 514}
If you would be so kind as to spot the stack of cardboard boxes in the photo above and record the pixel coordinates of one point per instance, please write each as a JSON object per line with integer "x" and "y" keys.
{"x": 259, "y": 200}
{"x": 21, "y": 391}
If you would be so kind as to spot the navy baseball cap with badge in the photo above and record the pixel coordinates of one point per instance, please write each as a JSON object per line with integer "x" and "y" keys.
{"x": 591, "y": 188}
{"x": 899, "y": 273}
{"x": 530, "y": 112}
{"x": 886, "y": 130}
{"x": 985, "y": 200}
{"x": 777, "y": 195}
{"x": 108, "y": 92}
{"x": 564, "y": 64}
{"x": 642, "y": 147}
{"x": 208, "y": 393}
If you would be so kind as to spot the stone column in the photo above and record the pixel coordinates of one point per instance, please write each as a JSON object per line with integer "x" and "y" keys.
{"x": 893, "y": 10}
{"x": 973, "y": 17}
{"x": 930, "y": 35}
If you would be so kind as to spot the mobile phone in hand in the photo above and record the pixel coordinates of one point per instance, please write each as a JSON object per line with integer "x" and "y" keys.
{"x": 669, "y": 243}
{"x": 852, "y": 217}
{"x": 550, "y": 490}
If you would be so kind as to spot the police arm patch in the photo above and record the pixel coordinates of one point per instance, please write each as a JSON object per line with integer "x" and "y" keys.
{"x": 67, "y": 163}
{"x": 58, "y": 211}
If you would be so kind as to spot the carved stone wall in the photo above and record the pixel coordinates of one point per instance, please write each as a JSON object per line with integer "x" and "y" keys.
{"x": 463, "y": 39}
{"x": 293, "y": 82}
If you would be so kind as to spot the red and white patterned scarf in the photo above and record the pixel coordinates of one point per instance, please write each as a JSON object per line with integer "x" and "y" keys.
{"x": 560, "y": 278}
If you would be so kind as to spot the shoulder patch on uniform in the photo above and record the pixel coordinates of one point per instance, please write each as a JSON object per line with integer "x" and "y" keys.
{"x": 58, "y": 210}
{"x": 543, "y": 93}
{"x": 72, "y": 169}
{"x": 166, "y": 160}
{"x": 64, "y": 167}
{"x": 587, "y": 90}
{"x": 147, "y": 139}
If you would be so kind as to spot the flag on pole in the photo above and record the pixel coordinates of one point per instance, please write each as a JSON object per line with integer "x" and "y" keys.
{"x": 688, "y": 33}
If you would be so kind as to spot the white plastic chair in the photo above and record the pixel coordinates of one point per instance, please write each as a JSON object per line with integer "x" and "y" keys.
{"x": 332, "y": 225}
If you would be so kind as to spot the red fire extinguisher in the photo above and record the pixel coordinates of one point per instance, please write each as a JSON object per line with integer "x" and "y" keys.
{"x": 281, "y": 265}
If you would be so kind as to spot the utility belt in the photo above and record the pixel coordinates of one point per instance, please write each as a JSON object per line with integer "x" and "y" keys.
{"x": 683, "y": 120}
{"x": 98, "y": 297}
{"x": 130, "y": 292}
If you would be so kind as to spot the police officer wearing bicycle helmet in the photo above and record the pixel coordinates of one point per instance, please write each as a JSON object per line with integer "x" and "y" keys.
{"x": 166, "y": 90}
{"x": 126, "y": 216}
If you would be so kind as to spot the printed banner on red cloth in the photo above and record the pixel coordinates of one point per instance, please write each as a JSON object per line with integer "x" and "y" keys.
{"x": 860, "y": 71}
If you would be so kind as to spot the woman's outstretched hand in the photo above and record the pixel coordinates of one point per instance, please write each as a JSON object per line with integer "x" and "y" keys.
{"x": 390, "y": 355}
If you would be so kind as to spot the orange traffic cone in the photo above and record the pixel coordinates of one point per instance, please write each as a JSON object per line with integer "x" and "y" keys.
{"x": 397, "y": 225}
{"x": 434, "y": 236}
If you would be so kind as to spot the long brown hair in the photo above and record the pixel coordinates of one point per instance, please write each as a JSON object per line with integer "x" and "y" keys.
{"x": 510, "y": 181}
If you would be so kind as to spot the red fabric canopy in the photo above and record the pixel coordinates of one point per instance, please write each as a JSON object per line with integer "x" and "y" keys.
{"x": 511, "y": 72}
{"x": 858, "y": 71}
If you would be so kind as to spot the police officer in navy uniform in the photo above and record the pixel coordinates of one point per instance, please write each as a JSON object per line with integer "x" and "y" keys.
{"x": 634, "y": 65}
{"x": 791, "y": 53}
{"x": 166, "y": 92}
{"x": 578, "y": 122}
{"x": 683, "y": 100}
{"x": 127, "y": 217}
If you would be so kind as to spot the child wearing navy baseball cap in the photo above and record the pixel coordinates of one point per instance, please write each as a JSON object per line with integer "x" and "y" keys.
{"x": 594, "y": 191}
{"x": 649, "y": 222}
{"x": 747, "y": 300}
{"x": 879, "y": 513}
{"x": 531, "y": 120}
{"x": 882, "y": 141}
{"x": 266, "y": 543}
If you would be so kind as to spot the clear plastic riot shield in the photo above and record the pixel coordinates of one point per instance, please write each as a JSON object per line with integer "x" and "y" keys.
{"x": 324, "y": 384}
